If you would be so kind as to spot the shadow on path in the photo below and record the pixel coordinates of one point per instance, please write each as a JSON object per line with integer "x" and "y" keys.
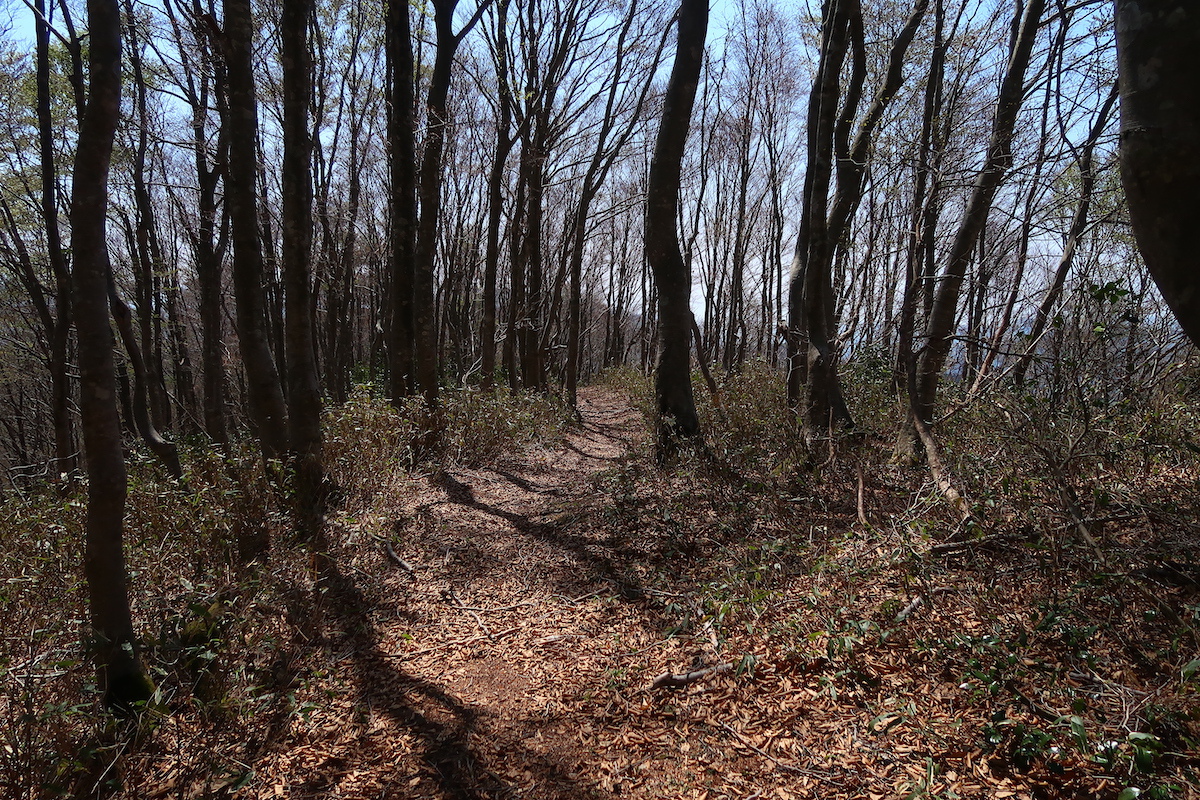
{"x": 582, "y": 548}
{"x": 439, "y": 721}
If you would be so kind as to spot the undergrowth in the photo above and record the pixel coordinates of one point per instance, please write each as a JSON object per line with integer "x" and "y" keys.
{"x": 1068, "y": 618}
{"x": 225, "y": 640}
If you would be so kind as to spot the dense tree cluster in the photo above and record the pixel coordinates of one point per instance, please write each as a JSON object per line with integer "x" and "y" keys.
{"x": 307, "y": 197}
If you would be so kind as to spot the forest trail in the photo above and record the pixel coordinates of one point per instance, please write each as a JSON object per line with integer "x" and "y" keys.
{"x": 503, "y": 631}
{"x": 478, "y": 673}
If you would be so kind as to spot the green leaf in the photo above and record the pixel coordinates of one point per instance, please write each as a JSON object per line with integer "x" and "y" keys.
{"x": 1129, "y": 793}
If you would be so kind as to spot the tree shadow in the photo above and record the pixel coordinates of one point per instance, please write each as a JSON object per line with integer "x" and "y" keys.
{"x": 439, "y": 721}
{"x": 583, "y": 549}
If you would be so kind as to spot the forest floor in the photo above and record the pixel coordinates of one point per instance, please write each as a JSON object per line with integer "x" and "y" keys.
{"x": 506, "y": 638}
{"x": 572, "y": 621}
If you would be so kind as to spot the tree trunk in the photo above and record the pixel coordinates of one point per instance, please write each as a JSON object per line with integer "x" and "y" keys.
{"x": 823, "y": 404}
{"x": 424, "y": 301}
{"x": 402, "y": 137}
{"x": 1087, "y": 180}
{"x": 673, "y": 380}
{"x": 58, "y": 329}
{"x": 147, "y": 255}
{"x": 264, "y": 392}
{"x": 1157, "y": 42}
{"x": 495, "y": 189}
{"x": 304, "y": 391}
{"x": 813, "y": 386}
{"x": 939, "y": 328}
{"x": 142, "y": 409}
{"x": 121, "y": 675}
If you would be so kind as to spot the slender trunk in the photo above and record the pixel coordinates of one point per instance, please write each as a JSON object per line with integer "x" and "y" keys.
{"x": 59, "y": 328}
{"x": 939, "y": 327}
{"x": 265, "y": 394}
{"x": 504, "y": 145}
{"x": 402, "y": 136}
{"x": 209, "y": 249}
{"x": 1087, "y": 184}
{"x": 122, "y": 677}
{"x": 304, "y": 390}
{"x": 430, "y": 191}
{"x": 141, "y": 408}
{"x": 924, "y": 217}
{"x": 147, "y": 260}
{"x": 812, "y": 363}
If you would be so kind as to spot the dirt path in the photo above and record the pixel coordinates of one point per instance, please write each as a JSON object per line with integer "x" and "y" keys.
{"x": 505, "y": 642}
{"x": 477, "y": 676}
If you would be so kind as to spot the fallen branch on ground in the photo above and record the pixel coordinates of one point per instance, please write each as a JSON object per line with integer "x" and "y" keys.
{"x": 390, "y": 552}
{"x": 918, "y": 601}
{"x": 450, "y": 597}
{"x": 676, "y": 680}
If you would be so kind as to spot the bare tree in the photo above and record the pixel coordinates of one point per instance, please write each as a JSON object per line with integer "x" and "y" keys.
{"x": 925, "y": 374}
{"x": 57, "y": 323}
{"x": 265, "y": 393}
{"x": 304, "y": 391}
{"x": 672, "y": 278}
{"x": 811, "y": 299}
{"x": 403, "y": 160}
{"x": 122, "y": 676}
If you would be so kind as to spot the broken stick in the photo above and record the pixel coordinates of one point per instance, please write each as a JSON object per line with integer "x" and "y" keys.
{"x": 676, "y": 680}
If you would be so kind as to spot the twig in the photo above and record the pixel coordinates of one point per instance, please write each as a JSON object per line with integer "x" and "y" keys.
{"x": 452, "y": 643}
{"x": 676, "y": 680}
{"x": 783, "y": 765}
{"x": 862, "y": 506}
{"x": 575, "y": 600}
{"x": 918, "y": 601}
{"x": 390, "y": 552}
{"x": 559, "y": 637}
{"x": 1038, "y": 709}
{"x": 909, "y": 609}
{"x": 945, "y": 548}
{"x": 501, "y": 608}
{"x": 453, "y": 600}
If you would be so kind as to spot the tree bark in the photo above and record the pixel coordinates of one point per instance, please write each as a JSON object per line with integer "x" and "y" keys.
{"x": 402, "y": 138}
{"x": 430, "y": 189}
{"x": 58, "y": 329}
{"x": 143, "y": 417}
{"x": 121, "y": 675}
{"x": 812, "y": 300}
{"x": 673, "y": 380}
{"x": 813, "y": 386}
{"x": 1157, "y": 42}
{"x": 504, "y": 145}
{"x": 304, "y": 391}
{"x": 264, "y": 391}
